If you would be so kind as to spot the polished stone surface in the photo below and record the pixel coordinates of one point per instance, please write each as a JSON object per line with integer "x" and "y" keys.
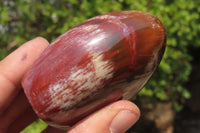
{"x": 104, "y": 59}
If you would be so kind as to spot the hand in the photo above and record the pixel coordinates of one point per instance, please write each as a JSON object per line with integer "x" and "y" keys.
{"x": 16, "y": 112}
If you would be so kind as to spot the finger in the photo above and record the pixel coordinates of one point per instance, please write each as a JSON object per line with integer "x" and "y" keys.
{"x": 114, "y": 118}
{"x": 14, "y": 66}
{"x": 17, "y": 108}
{"x": 23, "y": 121}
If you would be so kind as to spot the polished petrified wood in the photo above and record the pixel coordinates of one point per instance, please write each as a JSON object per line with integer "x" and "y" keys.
{"x": 104, "y": 59}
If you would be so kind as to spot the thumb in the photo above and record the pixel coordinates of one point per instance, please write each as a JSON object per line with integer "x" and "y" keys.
{"x": 117, "y": 117}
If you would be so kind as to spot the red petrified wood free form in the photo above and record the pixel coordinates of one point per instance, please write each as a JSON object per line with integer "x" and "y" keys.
{"x": 104, "y": 59}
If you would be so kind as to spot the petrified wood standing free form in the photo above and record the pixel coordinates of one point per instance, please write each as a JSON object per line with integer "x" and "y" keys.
{"x": 104, "y": 59}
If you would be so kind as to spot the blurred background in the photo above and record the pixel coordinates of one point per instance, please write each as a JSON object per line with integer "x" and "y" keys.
{"x": 170, "y": 102}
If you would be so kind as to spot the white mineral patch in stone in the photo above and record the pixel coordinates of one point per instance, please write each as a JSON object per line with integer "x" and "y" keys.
{"x": 107, "y": 16}
{"x": 83, "y": 81}
{"x": 89, "y": 27}
{"x": 102, "y": 68}
{"x": 155, "y": 24}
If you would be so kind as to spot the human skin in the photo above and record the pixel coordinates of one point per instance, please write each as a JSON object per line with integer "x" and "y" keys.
{"x": 16, "y": 112}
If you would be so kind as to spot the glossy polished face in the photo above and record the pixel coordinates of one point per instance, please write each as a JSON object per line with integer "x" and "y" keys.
{"x": 104, "y": 59}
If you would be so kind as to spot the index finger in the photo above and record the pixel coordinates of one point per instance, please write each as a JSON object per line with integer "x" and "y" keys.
{"x": 14, "y": 66}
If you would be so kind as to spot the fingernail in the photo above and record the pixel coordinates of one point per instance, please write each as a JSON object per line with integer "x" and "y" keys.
{"x": 123, "y": 121}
